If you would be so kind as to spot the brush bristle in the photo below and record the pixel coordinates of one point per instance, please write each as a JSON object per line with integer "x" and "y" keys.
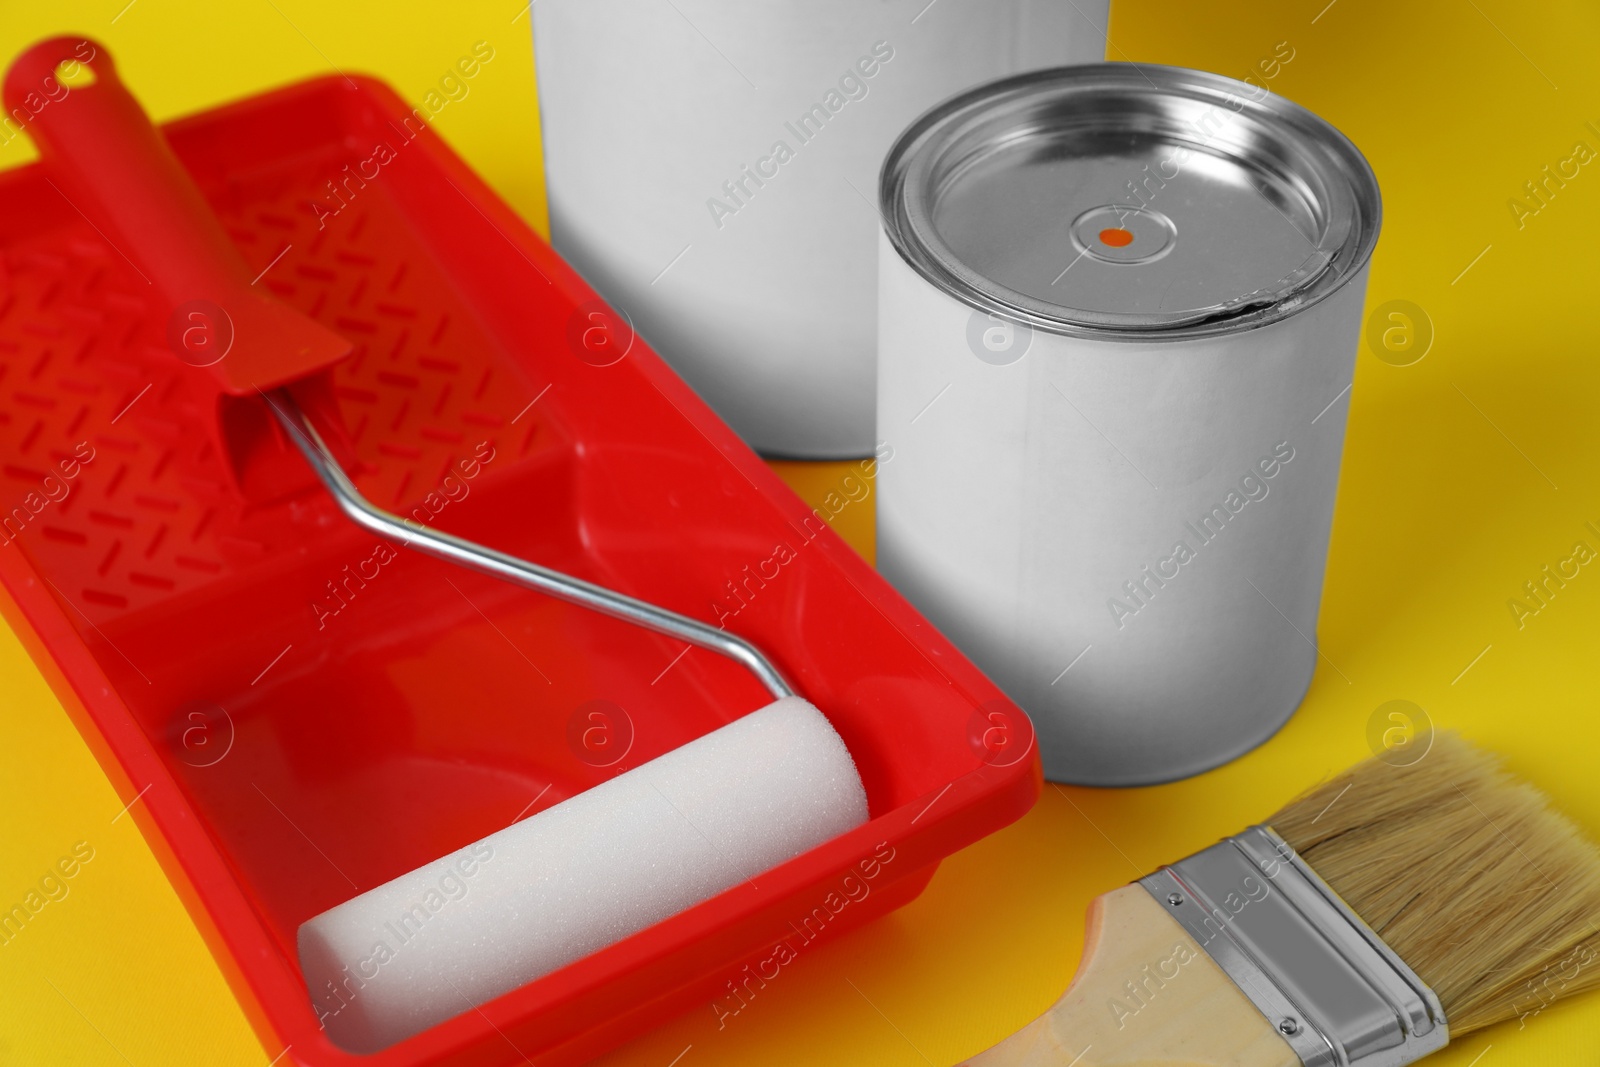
{"x": 1492, "y": 897}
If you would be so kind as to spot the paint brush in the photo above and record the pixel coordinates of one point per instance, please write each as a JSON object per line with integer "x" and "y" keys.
{"x": 1366, "y": 924}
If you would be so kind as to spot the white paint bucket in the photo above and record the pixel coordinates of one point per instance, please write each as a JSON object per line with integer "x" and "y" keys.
{"x": 1115, "y": 380}
{"x": 750, "y": 267}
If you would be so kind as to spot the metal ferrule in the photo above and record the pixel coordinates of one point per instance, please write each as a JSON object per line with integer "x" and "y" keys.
{"x": 1338, "y": 995}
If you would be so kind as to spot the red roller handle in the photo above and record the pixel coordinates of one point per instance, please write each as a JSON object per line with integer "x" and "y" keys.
{"x": 116, "y": 168}
{"x": 105, "y": 156}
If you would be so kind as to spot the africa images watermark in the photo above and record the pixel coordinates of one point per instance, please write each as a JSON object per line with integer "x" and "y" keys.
{"x": 1207, "y": 126}
{"x": 454, "y": 884}
{"x": 1253, "y": 487}
{"x": 853, "y": 888}
{"x": 348, "y": 584}
{"x": 1546, "y": 987}
{"x": 1539, "y": 591}
{"x": 53, "y": 887}
{"x": 53, "y": 489}
{"x": 1144, "y": 987}
{"x": 353, "y": 178}
{"x": 52, "y": 89}
{"x": 1539, "y": 191}
{"x": 852, "y": 490}
{"x": 737, "y": 192}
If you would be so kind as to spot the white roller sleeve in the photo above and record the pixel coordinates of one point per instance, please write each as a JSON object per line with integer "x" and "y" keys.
{"x": 579, "y": 876}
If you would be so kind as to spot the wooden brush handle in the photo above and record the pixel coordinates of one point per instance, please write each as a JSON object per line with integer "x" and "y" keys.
{"x": 1145, "y": 995}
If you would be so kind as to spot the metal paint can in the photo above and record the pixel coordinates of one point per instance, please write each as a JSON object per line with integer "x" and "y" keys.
{"x": 1119, "y": 308}
{"x": 711, "y": 167}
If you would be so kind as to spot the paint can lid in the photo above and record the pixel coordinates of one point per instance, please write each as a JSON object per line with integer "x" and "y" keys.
{"x": 1130, "y": 201}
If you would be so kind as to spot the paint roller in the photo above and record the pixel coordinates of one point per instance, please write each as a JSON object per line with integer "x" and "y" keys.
{"x": 562, "y": 883}
{"x": 591, "y": 870}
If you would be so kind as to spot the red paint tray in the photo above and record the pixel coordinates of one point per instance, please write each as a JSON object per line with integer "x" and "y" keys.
{"x": 296, "y": 715}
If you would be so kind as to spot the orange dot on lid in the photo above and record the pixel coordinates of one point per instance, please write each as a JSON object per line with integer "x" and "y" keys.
{"x": 1116, "y": 237}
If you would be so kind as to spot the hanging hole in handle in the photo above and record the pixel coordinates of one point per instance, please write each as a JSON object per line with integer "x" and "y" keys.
{"x": 74, "y": 75}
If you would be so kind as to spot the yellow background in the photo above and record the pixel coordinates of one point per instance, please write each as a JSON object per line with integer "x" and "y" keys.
{"x": 1464, "y": 474}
